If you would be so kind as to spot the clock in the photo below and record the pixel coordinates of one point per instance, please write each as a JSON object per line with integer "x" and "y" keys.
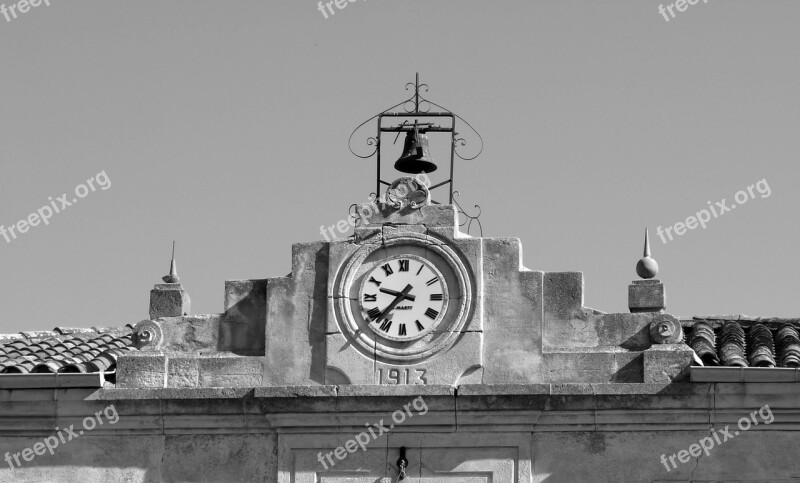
{"x": 403, "y": 298}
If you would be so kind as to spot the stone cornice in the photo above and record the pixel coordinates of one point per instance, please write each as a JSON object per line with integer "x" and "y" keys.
{"x": 322, "y": 409}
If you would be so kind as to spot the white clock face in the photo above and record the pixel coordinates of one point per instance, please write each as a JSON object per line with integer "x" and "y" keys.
{"x": 403, "y": 298}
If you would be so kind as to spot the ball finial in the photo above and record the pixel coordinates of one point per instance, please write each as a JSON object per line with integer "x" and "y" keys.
{"x": 647, "y": 268}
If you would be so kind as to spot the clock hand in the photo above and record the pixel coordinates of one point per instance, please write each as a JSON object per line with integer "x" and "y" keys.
{"x": 400, "y": 296}
{"x": 395, "y": 292}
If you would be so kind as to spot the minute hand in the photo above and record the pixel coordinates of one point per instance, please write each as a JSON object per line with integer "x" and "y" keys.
{"x": 395, "y": 292}
{"x": 400, "y": 296}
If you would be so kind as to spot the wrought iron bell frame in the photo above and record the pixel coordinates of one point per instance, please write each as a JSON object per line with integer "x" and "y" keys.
{"x": 414, "y": 108}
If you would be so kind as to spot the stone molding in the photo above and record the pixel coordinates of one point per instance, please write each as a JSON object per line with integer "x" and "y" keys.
{"x": 330, "y": 409}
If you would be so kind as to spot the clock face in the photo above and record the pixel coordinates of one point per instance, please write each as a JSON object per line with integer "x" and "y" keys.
{"x": 403, "y": 298}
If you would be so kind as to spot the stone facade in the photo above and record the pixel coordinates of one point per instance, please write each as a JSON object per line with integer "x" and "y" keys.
{"x": 516, "y": 381}
{"x": 520, "y": 326}
{"x": 476, "y": 432}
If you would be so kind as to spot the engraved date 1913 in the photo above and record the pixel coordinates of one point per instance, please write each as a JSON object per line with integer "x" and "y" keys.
{"x": 402, "y": 376}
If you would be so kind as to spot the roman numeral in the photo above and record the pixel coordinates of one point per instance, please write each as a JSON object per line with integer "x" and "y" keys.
{"x": 372, "y": 279}
{"x": 403, "y": 265}
{"x": 431, "y": 313}
{"x": 420, "y": 327}
{"x": 421, "y": 266}
{"x": 388, "y": 269}
{"x": 385, "y": 325}
{"x": 370, "y": 297}
{"x": 432, "y": 281}
{"x": 437, "y": 296}
{"x": 402, "y": 330}
{"x": 374, "y": 313}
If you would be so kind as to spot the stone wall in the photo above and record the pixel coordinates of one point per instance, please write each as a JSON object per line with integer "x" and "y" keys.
{"x": 538, "y": 432}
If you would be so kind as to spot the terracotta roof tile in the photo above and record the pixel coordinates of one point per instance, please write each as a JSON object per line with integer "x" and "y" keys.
{"x": 65, "y": 350}
{"x": 740, "y": 341}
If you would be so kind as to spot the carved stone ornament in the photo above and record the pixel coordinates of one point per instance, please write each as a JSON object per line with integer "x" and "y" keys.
{"x": 666, "y": 329}
{"x": 407, "y": 191}
{"x": 147, "y": 335}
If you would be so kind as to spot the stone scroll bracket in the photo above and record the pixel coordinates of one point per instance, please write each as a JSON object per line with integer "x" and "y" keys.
{"x": 668, "y": 359}
{"x": 148, "y": 335}
{"x": 666, "y": 329}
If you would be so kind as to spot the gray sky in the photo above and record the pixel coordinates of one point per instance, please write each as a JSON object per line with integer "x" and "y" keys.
{"x": 224, "y": 126}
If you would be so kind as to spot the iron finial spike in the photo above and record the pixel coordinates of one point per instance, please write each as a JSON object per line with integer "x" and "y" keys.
{"x": 416, "y": 95}
{"x": 646, "y": 243}
{"x": 173, "y": 269}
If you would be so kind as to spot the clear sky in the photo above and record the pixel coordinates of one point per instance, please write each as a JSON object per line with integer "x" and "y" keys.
{"x": 224, "y": 126}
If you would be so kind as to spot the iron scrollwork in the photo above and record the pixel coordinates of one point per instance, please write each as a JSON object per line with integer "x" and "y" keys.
{"x": 469, "y": 218}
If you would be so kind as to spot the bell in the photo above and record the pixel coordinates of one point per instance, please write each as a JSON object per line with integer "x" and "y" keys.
{"x": 416, "y": 156}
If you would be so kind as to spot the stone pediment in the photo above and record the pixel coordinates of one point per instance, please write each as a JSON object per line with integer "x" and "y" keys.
{"x": 408, "y": 299}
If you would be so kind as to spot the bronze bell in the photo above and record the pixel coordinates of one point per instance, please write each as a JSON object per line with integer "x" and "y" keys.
{"x": 416, "y": 156}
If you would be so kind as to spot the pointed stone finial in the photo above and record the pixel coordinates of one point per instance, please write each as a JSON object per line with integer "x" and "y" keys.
{"x": 647, "y": 268}
{"x": 173, "y": 269}
{"x": 169, "y": 299}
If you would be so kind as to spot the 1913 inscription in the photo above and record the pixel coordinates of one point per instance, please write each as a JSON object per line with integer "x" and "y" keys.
{"x": 402, "y": 376}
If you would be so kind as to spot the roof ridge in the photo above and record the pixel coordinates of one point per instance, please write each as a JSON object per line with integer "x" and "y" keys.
{"x": 739, "y": 317}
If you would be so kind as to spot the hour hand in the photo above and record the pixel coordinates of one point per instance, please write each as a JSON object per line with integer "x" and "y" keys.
{"x": 393, "y": 304}
{"x": 395, "y": 292}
